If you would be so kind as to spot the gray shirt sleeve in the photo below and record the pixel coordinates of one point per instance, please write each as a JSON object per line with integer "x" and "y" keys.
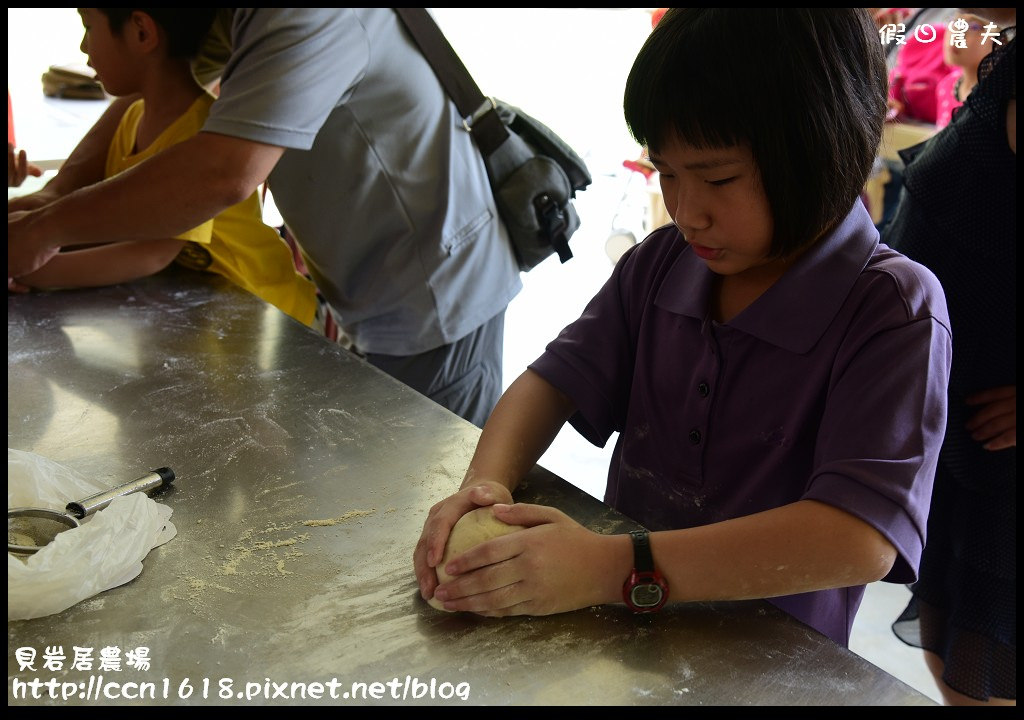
{"x": 287, "y": 71}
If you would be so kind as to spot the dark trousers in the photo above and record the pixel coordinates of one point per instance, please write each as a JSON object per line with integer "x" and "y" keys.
{"x": 464, "y": 376}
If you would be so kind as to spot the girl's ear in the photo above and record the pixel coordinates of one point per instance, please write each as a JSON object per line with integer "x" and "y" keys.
{"x": 142, "y": 31}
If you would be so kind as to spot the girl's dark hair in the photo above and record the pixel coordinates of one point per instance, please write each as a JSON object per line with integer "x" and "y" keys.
{"x": 804, "y": 88}
{"x": 185, "y": 28}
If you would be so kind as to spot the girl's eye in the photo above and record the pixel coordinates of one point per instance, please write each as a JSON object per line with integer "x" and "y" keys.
{"x": 719, "y": 183}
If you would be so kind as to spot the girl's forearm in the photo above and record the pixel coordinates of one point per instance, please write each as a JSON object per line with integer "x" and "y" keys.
{"x": 522, "y": 426}
{"x": 800, "y": 547}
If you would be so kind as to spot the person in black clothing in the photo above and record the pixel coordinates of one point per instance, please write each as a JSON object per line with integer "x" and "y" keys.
{"x": 957, "y": 216}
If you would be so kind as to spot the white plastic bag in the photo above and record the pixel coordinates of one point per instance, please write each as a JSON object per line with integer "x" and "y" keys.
{"x": 106, "y": 551}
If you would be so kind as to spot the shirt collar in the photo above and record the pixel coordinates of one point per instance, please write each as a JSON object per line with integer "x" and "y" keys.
{"x": 794, "y": 312}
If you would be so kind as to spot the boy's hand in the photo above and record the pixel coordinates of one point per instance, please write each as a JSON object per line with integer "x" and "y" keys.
{"x": 18, "y": 167}
{"x": 13, "y": 286}
{"x": 32, "y": 201}
{"x": 24, "y": 255}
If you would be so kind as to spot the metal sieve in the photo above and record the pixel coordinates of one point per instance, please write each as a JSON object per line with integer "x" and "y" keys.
{"x": 30, "y": 528}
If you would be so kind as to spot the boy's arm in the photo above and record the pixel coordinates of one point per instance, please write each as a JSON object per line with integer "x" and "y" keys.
{"x": 104, "y": 264}
{"x": 164, "y": 196}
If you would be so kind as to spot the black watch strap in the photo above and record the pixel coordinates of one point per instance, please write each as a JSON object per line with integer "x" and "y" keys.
{"x": 645, "y": 590}
{"x": 643, "y": 561}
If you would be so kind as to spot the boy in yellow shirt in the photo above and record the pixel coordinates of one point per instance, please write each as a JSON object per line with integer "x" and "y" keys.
{"x": 148, "y": 52}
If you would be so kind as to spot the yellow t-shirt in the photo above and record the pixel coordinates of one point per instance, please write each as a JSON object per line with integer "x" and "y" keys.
{"x": 237, "y": 243}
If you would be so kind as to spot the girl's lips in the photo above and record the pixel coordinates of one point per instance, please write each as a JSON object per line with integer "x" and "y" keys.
{"x": 706, "y": 253}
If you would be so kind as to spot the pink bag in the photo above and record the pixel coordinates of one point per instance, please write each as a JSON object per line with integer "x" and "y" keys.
{"x": 919, "y": 68}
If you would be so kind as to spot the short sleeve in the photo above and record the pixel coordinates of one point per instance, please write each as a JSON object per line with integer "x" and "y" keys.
{"x": 885, "y": 419}
{"x": 592, "y": 360}
{"x": 288, "y": 69}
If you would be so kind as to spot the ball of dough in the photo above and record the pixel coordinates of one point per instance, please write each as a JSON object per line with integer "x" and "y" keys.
{"x": 473, "y": 528}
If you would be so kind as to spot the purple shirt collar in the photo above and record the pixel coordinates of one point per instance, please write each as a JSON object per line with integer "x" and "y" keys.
{"x": 782, "y": 316}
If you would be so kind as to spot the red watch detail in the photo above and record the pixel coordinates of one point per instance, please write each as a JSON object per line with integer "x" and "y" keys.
{"x": 645, "y": 590}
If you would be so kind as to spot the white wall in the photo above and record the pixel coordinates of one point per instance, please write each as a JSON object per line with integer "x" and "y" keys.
{"x": 36, "y": 39}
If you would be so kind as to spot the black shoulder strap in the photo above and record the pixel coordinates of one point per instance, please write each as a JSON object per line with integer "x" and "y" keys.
{"x": 477, "y": 111}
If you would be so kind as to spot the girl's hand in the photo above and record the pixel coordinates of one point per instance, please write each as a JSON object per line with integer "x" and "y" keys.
{"x": 553, "y": 566}
{"x": 440, "y": 520}
{"x": 995, "y": 424}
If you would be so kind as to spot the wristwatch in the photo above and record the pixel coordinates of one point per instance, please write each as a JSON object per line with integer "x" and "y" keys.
{"x": 645, "y": 590}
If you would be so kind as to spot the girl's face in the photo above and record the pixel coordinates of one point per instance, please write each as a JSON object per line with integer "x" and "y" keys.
{"x": 974, "y": 32}
{"x": 717, "y": 201}
{"x": 108, "y": 53}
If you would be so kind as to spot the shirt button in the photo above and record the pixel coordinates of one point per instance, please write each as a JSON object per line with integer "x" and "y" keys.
{"x": 703, "y": 389}
{"x": 695, "y": 436}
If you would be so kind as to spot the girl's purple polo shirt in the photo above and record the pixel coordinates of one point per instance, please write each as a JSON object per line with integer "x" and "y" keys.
{"x": 831, "y": 386}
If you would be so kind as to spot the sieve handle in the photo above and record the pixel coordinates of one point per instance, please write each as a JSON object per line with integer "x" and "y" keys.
{"x": 159, "y": 478}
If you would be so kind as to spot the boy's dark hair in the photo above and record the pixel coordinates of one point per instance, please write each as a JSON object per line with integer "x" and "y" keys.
{"x": 185, "y": 28}
{"x": 804, "y": 88}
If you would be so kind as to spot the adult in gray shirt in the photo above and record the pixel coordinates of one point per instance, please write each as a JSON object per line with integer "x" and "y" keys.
{"x": 382, "y": 188}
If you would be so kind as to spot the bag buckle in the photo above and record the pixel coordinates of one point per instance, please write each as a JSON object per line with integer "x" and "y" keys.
{"x": 554, "y": 224}
{"x": 485, "y": 107}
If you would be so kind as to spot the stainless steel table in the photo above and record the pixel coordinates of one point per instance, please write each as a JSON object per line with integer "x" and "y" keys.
{"x": 304, "y": 477}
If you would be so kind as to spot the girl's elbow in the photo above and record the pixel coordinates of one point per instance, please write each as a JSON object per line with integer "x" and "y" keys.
{"x": 878, "y": 558}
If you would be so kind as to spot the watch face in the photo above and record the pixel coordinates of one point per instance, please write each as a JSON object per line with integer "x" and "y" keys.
{"x": 645, "y": 595}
